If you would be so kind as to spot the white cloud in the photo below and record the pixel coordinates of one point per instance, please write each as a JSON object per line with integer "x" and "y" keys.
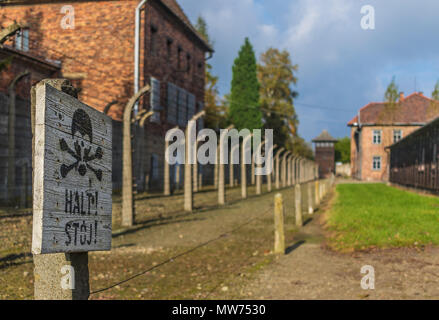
{"x": 340, "y": 65}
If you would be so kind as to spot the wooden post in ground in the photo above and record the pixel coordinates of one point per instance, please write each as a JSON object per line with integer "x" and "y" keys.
{"x": 279, "y": 233}
{"x": 244, "y": 166}
{"x": 128, "y": 216}
{"x": 278, "y": 167}
{"x": 61, "y": 125}
{"x": 298, "y": 204}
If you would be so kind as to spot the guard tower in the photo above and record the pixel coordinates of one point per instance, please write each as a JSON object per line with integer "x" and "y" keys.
{"x": 325, "y": 153}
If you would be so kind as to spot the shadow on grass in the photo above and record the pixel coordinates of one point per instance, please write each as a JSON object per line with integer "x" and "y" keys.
{"x": 9, "y": 260}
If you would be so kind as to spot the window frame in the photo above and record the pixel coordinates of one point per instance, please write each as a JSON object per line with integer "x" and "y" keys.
{"x": 374, "y": 162}
{"x": 375, "y": 135}
{"x": 22, "y": 40}
{"x": 400, "y": 136}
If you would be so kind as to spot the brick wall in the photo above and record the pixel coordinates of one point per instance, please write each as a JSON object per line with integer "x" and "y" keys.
{"x": 98, "y": 55}
{"x": 369, "y": 150}
{"x": 325, "y": 158}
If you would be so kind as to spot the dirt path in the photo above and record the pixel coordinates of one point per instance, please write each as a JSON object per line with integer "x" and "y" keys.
{"x": 310, "y": 271}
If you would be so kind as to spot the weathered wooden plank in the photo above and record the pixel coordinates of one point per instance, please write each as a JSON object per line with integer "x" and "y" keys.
{"x": 72, "y": 175}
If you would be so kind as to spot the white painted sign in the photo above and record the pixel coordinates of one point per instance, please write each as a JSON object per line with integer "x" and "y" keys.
{"x": 72, "y": 176}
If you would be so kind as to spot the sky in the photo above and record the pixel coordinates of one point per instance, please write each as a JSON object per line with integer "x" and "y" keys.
{"x": 342, "y": 66}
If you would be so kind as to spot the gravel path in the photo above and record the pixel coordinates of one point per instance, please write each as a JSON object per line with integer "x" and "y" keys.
{"x": 310, "y": 271}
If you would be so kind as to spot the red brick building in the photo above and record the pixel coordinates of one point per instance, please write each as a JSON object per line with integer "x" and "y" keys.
{"x": 29, "y": 69}
{"x": 325, "y": 153}
{"x": 97, "y": 54}
{"x": 378, "y": 125}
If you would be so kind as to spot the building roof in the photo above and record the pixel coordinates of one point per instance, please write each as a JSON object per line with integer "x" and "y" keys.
{"x": 416, "y": 109}
{"x": 324, "y": 137}
{"x": 172, "y": 5}
{"x": 178, "y": 11}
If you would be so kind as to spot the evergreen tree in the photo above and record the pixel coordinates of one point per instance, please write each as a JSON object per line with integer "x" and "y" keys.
{"x": 244, "y": 110}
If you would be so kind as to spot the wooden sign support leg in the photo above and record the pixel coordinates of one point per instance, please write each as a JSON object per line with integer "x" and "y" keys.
{"x": 53, "y": 272}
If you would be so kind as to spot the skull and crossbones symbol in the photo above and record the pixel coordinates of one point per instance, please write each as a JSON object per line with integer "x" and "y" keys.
{"x": 81, "y": 128}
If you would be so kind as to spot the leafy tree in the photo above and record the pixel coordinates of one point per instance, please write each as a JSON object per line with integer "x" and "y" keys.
{"x": 343, "y": 150}
{"x": 300, "y": 147}
{"x": 390, "y": 99}
{"x": 244, "y": 109}
{"x": 433, "y": 109}
{"x": 276, "y": 74}
{"x": 435, "y": 93}
{"x": 215, "y": 114}
{"x": 391, "y": 95}
{"x": 202, "y": 29}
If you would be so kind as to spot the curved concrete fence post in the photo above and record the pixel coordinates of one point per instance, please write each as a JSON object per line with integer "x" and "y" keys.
{"x": 232, "y": 166}
{"x": 284, "y": 168}
{"x": 220, "y": 165}
{"x": 244, "y": 165}
{"x": 166, "y": 169}
{"x": 128, "y": 216}
{"x": 11, "y": 189}
{"x": 277, "y": 158}
{"x": 190, "y": 159}
{"x": 270, "y": 176}
{"x": 258, "y": 177}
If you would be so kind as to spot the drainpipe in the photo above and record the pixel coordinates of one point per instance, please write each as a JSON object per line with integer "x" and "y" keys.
{"x": 137, "y": 52}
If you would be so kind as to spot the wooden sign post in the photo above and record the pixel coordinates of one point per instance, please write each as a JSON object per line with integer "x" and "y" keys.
{"x": 72, "y": 189}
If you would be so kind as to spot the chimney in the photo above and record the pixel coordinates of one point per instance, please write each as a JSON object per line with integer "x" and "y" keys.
{"x": 401, "y": 96}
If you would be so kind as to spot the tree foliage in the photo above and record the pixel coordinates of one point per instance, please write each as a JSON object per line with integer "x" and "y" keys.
{"x": 244, "y": 111}
{"x": 392, "y": 94}
{"x": 276, "y": 74}
{"x": 390, "y": 99}
{"x": 343, "y": 150}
